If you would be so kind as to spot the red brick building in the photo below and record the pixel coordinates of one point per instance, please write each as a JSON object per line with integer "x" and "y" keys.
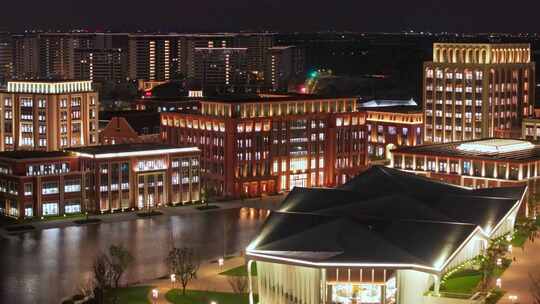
{"x": 97, "y": 179}
{"x": 391, "y": 127}
{"x": 257, "y": 146}
{"x": 130, "y": 127}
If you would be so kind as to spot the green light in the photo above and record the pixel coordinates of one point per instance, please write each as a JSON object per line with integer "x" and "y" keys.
{"x": 313, "y": 74}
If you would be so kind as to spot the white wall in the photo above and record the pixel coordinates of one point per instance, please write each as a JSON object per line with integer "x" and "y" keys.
{"x": 411, "y": 286}
{"x": 507, "y": 225}
{"x": 280, "y": 284}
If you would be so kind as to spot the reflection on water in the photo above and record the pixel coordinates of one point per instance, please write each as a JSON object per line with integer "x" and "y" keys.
{"x": 45, "y": 266}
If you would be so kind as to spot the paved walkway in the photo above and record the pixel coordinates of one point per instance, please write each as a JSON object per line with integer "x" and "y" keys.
{"x": 515, "y": 279}
{"x": 208, "y": 279}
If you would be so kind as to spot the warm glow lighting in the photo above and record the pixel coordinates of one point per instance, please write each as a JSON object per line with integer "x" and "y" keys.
{"x": 495, "y": 146}
{"x": 139, "y": 153}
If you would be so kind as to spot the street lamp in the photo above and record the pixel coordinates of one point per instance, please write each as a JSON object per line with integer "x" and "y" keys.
{"x": 512, "y": 298}
{"x": 510, "y": 248}
{"x": 221, "y": 261}
{"x": 498, "y": 283}
{"x": 499, "y": 262}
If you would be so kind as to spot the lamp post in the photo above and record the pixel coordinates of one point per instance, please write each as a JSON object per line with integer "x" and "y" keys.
{"x": 513, "y": 298}
{"x": 221, "y": 261}
{"x": 498, "y": 283}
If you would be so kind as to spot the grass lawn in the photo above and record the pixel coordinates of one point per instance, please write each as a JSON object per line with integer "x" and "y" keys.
{"x": 464, "y": 281}
{"x": 132, "y": 295}
{"x": 204, "y": 297}
{"x": 519, "y": 239}
{"x": 240, "y": 271}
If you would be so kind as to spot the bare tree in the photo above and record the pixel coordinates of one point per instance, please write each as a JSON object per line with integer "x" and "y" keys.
{"x": 120, "y": 259}
{"x": 239, "y": 284}
{"x": 184, "y": 264}
{"x": 102, "y": 277}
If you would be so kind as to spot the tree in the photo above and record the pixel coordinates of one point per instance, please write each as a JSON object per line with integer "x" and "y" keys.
{"x": 102, "y": 277}
{"x": 239, "y": 284}
{"x": 208, "y": 192}
{"x": 184, "y": 264}
{"x": 120, "y": 259}
{"x": 487, "y": 269}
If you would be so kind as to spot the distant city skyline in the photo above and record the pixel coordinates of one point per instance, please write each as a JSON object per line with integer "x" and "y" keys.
{"x": 278, "y": 15}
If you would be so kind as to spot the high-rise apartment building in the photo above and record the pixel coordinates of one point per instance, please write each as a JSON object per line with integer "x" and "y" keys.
{"x": 192, "y": 42}
{"x": 221, "y": 70}
{"x": 52, "y": 55}
{"x": 25, "y": 56}
{"x": 55, "y": 55}
{"x": 48, "y": 115}
{"x": 474, "y": 91}
{"x": 100, "y": 65}
{"x": 283, "y": 63}
{"x": 6, "y": 57}
{"x": 257, "y": 45}
{"x": 254, "y": 146}
{"x": 151, "y": 57}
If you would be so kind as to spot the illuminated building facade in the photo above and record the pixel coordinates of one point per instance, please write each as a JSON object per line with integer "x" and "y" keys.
{"x": 358, "y": 243}
{"x": 48, "y": 115}
{"x": 36, "y": 184}
{"x": 151, "y": 56}
{"x": 390, "y": 126}
{"x": 257, "y": 146}
{"x": 531, "y": 129}
{"x": 476, "y": 164}
{"x": 475, "y": 91}
{"x": 160, "y": 57}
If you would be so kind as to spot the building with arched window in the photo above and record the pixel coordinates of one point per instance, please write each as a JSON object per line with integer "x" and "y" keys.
{"x": 474, "y": 91}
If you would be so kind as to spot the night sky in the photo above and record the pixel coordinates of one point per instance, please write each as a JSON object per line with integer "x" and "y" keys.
{"x": 277, "y": 15}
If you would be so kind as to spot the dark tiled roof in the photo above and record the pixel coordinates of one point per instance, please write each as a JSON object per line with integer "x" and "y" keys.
{"x": 382, "y": 216}
{"x": 142, "y": 122}
{"x": 451, "y": 150}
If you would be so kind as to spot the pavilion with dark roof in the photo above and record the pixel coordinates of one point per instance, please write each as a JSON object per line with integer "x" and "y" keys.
{"x": 385, "y": 235}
